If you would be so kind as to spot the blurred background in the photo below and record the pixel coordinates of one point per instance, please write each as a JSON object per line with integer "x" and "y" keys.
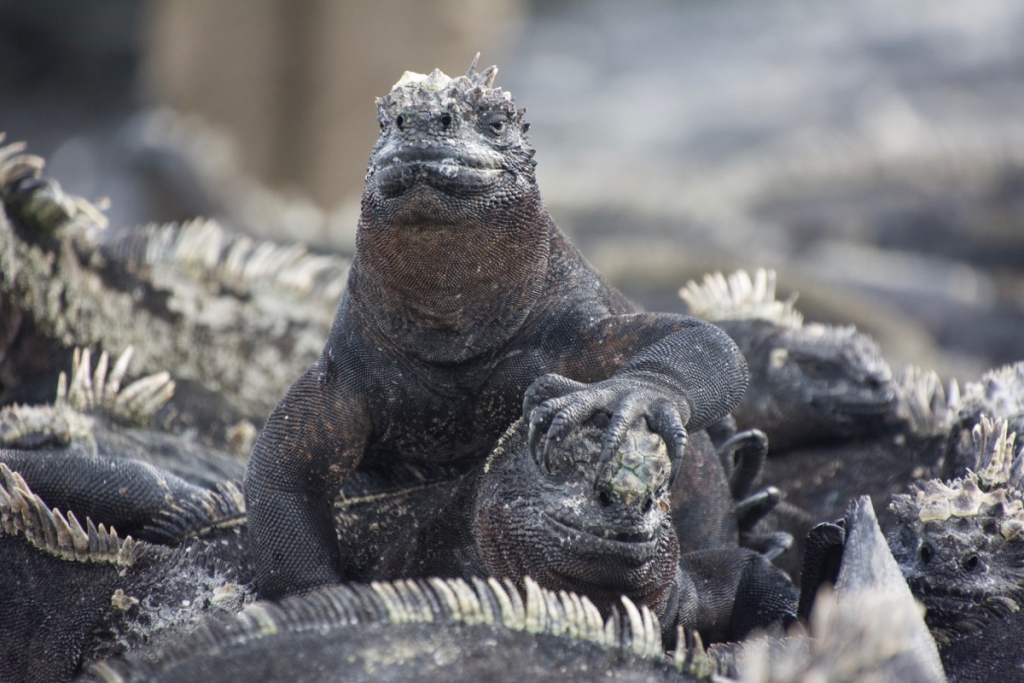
{"x": 872, "y": 152}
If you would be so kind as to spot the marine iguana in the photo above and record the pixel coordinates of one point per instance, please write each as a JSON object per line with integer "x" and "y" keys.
{"x": 464, "y": 301}
{"x": 809, "y": 383}
{"x": 190, "y": 297}
{"x": 960, "y": 544}
{"x": 601, "y": 529}
{"x": 76, "y": 591}
{"x": 426, "y": 630}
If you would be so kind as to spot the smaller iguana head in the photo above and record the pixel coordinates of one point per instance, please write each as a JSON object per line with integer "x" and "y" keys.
{"x": 602, "y": 530}
{"x": 815, "y": 382}
{"x": 960, "y": 544}
{"x": 458, "y": 138}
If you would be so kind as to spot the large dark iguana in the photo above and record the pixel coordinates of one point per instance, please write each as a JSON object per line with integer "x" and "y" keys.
{"x": 464, "y": 298}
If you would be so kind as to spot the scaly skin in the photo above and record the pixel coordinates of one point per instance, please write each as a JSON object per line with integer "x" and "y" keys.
{"x": 73, "y": 591}
{"x": 960, "y": 543}
{"x": 810, "y": 383}
{"x": 574, "y": 522}
{"x": 464, "y": 298}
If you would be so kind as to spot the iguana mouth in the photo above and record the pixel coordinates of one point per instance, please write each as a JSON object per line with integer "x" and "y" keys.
{"x": 634, "y": 545}
{"x": 437, "y": 166}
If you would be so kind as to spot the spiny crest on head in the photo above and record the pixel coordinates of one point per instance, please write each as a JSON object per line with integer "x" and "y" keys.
{"x": 740, "y": 297}
{"x": 440, "y": 90}
{"x": 991, "y": 489}
{"x": 997, "y": 465}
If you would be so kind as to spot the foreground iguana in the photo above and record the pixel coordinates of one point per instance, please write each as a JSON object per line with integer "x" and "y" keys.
{"x": 464, "y": 298}
{"x": 432, "y": 630}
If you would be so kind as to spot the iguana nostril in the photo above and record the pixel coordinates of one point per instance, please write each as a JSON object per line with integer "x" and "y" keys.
{"x": 446, "y": 120}
{"x": 605, "y": 499}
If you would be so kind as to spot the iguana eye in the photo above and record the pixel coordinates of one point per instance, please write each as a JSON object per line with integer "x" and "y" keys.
{"x": 971, "y": 562}
{"x": 496, "y": 123}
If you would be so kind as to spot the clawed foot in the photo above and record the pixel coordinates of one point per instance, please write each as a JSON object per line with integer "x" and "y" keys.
{"x": 823, "y": 555}
{"x": 555, "y": 406}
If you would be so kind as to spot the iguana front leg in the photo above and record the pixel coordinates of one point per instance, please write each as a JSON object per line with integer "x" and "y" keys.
{"x": 314, "y": 438}
{"x": 677, "y": 372}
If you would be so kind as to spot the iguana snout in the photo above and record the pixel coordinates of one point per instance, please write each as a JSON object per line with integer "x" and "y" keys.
{"x": 638, "y": 472}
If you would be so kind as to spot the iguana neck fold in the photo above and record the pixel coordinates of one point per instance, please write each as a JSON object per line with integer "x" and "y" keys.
{"x": 445, "y": 296}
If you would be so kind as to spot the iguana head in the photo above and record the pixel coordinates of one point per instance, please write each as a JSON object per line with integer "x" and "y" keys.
{"x": 813, "y": 382}
{"x": 446, "y": 137}
{"x": 960, "y": 544}
{"x": 603, "y": 530}
{"x": 453, "y": 239}
{"x": 808, "y": 381}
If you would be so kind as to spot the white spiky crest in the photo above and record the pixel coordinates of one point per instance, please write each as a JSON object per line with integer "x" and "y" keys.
{"x": 431, "y": 601}
{"x": 993, "y": 488}
{"x": 930, "y": 406}
{"x": 1000, "y": 392}
{"x": 99, "y": 391}
{"x": 24, "y": 513}
{"x": 740, "y": 297}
